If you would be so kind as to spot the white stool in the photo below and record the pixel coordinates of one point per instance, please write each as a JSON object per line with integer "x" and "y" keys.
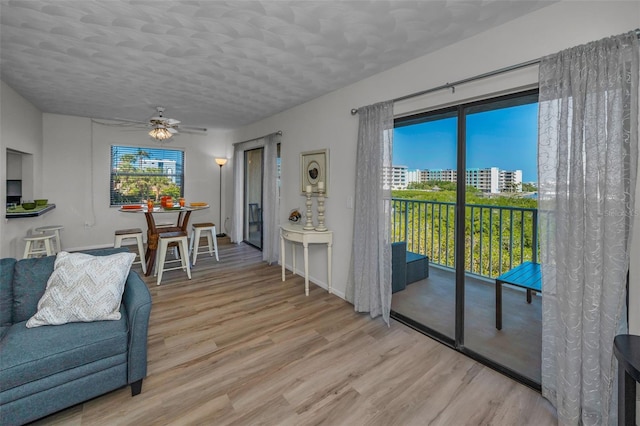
{"x": 123, "y": 234}
{"x": 166, "y": 238}
{"x": 57, "y": 245}
{"x": 209, "y": 229}
{"x": 33, "y": 247}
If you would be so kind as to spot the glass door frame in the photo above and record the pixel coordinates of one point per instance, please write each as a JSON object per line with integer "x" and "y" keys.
{"x": 458, "y": 342}
{"x": 442, "y": 113}
{"x": 245, "y": 201}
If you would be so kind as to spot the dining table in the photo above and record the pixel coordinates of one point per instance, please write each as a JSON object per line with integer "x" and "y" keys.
{"x": 154, "y": 230}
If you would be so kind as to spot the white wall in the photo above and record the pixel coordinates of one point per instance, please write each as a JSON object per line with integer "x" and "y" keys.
{"x": 326, "y": 122}
{"x": 20, "y": 130}
{"x": 77, "y": 164}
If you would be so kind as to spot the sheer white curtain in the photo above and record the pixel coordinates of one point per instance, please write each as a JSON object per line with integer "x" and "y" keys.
{"x": 270, "y": 201}
{"x": 238, "y": 194}
{"x": 588, "y": 154}
{"x": 369, "y": 281}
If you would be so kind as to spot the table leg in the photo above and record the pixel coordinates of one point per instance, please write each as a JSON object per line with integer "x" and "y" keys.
{"x": 306, "y": 268}
{"x": 152, "y": 248}
{"x": 499, "y": 305}
{"x": 152, "y": 242}
{"x": 329, "y": 267}
{"x": 183, "y": 221}
{"x": 293, "y": 258}
{"x": 626, "y": 398}
{"x": 283, "y": 255}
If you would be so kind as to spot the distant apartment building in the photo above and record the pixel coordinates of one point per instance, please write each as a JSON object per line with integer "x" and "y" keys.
{"x": 446, "y": 175}
{"x": 398, "y": 177}
{"x": 414, "y": 176}
{"x": 168, "y": 167}
{"x": 490, "y": 180}
{"x": 510, "y": 180}
{"x": 486, "y": 180}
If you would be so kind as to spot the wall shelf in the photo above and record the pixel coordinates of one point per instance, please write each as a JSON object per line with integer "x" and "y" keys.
{"x": 18, "y": 212}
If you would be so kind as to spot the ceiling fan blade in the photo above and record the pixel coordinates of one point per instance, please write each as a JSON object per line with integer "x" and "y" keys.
{"x": 130, "y": 121}
{"x": 160, "y": 122}
{"x": 192, "y": 128}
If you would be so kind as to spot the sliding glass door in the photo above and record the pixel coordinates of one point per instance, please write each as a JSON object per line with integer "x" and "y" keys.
{"x": 253, "y": 179}
{"x": 501, "y": 322}
{"x": 466, "y": 198}
{"x": 424, "y": 212}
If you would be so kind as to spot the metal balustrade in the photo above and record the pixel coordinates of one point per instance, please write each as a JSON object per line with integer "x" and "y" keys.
{"x": 497, "y": 238}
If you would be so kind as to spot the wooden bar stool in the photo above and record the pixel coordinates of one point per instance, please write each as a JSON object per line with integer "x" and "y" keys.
{"x": 208, "y": 229}
{"x": 123, "y": 234}
{"x": 38, "y": 245}
{"x": 165, "y": 239}
{"x": 57, "y": 244}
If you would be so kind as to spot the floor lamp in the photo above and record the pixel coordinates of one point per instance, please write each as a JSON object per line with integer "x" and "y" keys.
{"x": 221, "y": 162}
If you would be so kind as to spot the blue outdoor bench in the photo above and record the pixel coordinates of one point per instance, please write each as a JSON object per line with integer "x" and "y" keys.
{"x": 417, "y": 267}
{"x": 406, "y": 267}
{"x": 526, "y": 275}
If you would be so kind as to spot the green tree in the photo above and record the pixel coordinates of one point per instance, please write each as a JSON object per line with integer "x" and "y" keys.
{"x": 496, "y": 238}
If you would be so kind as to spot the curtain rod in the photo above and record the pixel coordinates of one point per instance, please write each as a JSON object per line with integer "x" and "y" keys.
{"x": 453, "y": 85}
{"x": 279, "y": 133}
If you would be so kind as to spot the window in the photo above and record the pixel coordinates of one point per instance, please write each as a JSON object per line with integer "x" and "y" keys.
{"x": 139, "y": 173}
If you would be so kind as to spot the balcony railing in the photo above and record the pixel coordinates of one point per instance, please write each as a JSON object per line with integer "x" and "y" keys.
{"x": 497, "y": 238}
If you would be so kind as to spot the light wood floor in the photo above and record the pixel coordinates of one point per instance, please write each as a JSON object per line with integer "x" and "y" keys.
{"x": 237, "y": 346}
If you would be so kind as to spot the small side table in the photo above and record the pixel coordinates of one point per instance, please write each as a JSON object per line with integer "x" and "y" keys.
{"x": 627, "y": 351}
{"x": 295, "y": 234}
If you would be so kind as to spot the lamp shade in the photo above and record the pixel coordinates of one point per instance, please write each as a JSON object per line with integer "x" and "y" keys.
{"x": 221, "y": 161}
{"x": 160, "y": 133}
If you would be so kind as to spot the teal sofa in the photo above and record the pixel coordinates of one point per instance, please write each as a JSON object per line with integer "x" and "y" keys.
{"x": 46, "y": 369}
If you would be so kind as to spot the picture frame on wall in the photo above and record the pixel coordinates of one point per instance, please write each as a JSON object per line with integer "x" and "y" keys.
{"x": 314, "y": 168}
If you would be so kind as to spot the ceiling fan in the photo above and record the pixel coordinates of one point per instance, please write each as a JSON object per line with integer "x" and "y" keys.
{"x": 163, "y": 128}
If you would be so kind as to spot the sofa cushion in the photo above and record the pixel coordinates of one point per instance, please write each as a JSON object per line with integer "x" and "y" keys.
{"x": 31, "y": 354}
{"x": 83, "y": 288}
{"x": 29, "y": 281}
{"x": 6, "y": 290}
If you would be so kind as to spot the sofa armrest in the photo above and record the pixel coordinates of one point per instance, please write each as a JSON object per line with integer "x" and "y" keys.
{"x": 137, "y": 302}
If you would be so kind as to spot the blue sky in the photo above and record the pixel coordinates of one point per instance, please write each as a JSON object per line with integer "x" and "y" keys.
{"x": 506, "y": 138}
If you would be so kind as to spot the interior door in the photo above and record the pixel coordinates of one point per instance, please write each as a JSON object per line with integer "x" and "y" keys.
{"x": 253, "y": 180}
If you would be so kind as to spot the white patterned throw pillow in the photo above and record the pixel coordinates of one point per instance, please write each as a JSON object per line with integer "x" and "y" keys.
{"x": 83, "y": 288}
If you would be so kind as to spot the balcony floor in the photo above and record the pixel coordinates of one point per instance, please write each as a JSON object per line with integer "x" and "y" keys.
{"x": 517, "y": 346}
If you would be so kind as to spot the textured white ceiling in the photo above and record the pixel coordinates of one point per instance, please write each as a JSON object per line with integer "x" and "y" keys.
{"x": 219, "y": 63}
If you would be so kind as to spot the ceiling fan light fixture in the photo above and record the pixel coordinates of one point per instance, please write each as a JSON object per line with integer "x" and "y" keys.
{"x": 160, "y": 133}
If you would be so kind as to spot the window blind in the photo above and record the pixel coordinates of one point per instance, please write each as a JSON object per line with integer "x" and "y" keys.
{"x": 142, "y": 173}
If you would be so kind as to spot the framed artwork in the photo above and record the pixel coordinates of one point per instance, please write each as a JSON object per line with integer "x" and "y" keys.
{"x": 314, "y": 169}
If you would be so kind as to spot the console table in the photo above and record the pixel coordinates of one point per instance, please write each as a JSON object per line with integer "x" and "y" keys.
{"x": 295, "y": 234}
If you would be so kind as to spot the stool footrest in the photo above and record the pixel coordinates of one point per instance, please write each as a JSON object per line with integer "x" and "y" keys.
{"x": 132, "y": 231}
{"x": 207, "y": 229}
{"x": 33, "y": 247}
{"x": 165, "y": 240}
